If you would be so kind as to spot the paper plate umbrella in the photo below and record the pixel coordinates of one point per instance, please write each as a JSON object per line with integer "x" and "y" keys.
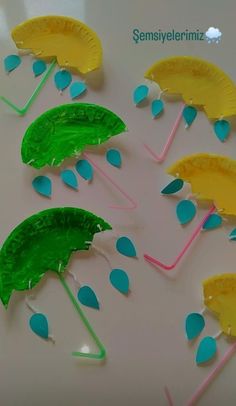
{"x": 220, "y": 299}
{"x": 46, "y": 241}
{"x": 65, "y": 131}
{"x": 57, "y": 39}
{"x": 200, "y": 84}
{"x": 212, "y": 178}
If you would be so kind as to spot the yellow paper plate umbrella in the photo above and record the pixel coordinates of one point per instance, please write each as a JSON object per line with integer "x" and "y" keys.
{"x": 71, "y": 42}
{"x": 57, "y": 39}
{"x": 200, "y": 84}
{"x": 212, "y": 178}
{"x": 219, "y": 293}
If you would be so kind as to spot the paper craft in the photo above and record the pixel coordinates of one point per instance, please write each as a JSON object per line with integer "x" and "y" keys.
{"x": 74, "y": 45}
{"x": 120, "y": 280}
{"x": 56, "y": 39}
{"x": 200, "y": 84}
{"x": 39, "y": 325}
{"x": 77, "y": 89}
{"x": 42, "y": 185}
{"x": 113, "y": 156}
{"x": 69, "y": 178}
{"x": 11, "y": 62}
{"x": 62, "y": 79}
{"x": 157, "y": 107}
{"x": 46, "y": 241}
{"x": 126, "y": 247}
{"x": 140, "y": 94}
{"x": 84, "y": 169}
{"x": 39, "y": 67}
{"x": 87, "y": 297}
{"x": 86, "y": 124}
{"x": 212, "y": 178}
{"x": 185, "y": 211}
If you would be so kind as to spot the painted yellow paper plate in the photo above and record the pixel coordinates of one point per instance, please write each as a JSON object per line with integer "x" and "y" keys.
{"x": 220, "y": 297}
{"x": 212, "y": 177}
{"x": 199, "y": 82}
{"x": 71, "y": 42}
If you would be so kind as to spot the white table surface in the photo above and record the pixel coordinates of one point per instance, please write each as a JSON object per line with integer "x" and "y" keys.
{"x": 144, "y": 332}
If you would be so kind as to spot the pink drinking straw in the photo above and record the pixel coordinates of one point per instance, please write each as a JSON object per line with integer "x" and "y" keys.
{"x": 196, "y": 232}
{"x": 204, "y": 385}
{"x": 160, "y": 158}
{"x": 114, "y": 184}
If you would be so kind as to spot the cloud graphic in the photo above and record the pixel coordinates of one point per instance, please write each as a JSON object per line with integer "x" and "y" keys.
{"x": 213, "y": 34}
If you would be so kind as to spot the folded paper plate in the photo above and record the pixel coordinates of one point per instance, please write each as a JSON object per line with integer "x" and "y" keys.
{"x": 71, "y": 42}
{"x": 199, "y": 82}
{"x": 212, "y": 177}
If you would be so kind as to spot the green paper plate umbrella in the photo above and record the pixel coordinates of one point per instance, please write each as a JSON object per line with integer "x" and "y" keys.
{"x": 65, "y": 131}
{"x": 46, "y": 241}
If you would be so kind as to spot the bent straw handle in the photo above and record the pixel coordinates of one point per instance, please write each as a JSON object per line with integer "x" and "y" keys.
{"x": 116, "y": 186}
{"x": 196, "y": 232}
{"x": 204, "y": 385}
{"x": 23, "y": 110}
{"x": 160, "y": 158}
{"x": 102, "y": 351}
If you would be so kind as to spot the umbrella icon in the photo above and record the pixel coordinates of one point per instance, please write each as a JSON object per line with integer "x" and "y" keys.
{"x": 212, "y": 178}
{"x": 57, "y": 39}
{"x": 199, "y": 83}
{"x": 46, "y": 241}
{"x": 219, "y": 294}
{"x": 65, "y": 131}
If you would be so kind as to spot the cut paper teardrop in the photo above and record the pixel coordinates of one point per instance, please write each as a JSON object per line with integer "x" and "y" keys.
{"x": 189, "y": 115}
{"x": 140, "y": 94}
{"x": 207, "y": 350}
{"x": 222, "y": 129}
{"x": 42, "y": 185}
{"x": 69, "y": 178}
{"x": 232, "y": 235}
{"x": 84, "y": 169}
{"x": 87, "y": 297}
{"x": 113, "y": 156}
{"x": 173, "y": 187}
{"x": 212, "y": 222}
{"x": 157, "y": 107}
{"x": 119, "y": 280}
{"x": 39, "y": 67}
{"x": 62, "y": 79}
{"x": 185, "y": 211}
{"x": 39, "y": 325}
{"x": 77, "y": 89}
{"x": 194, "y": 324}
{"x": 11, "y": 62}
{"x": 126, "y": 247}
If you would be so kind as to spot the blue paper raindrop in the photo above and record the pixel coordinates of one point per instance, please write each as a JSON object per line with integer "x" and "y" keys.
{"x": 62, "y": 79}
{"x": 189, "y": 114}
{"x": 77, "y": 89}
{"x": 126, "y": 247}
{"x": 39, "y": 325}
{"x": 113, "y": 156}
{"x": 173, "y": 187}
{"x": 213, "y": 221}
{"x": 140, "y": 93}
{"x": 11, "y": 62}
{"x": 84, "y": 169}
{"x": 206, "y": 350}
{"x": 87, "y": 297}
{"x": 119, "y": 280}
{"x": 185, "y": 211}
{"x": 69, "y": 178}
{"x": 157, "y": 107}
{"x": 194, "y": 324}
{"x": 39, "y": 67}
{"x": 222, "y": 129}
{"x": 42, "y": 185}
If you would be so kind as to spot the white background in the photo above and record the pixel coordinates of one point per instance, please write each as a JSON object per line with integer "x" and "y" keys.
{"x": 143, "y": 332}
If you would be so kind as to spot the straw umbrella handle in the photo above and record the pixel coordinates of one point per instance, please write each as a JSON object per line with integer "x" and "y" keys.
{"x": 101, "y": 355}
{"x": 23, "y": 110}
{"x": 195, "y": 234}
